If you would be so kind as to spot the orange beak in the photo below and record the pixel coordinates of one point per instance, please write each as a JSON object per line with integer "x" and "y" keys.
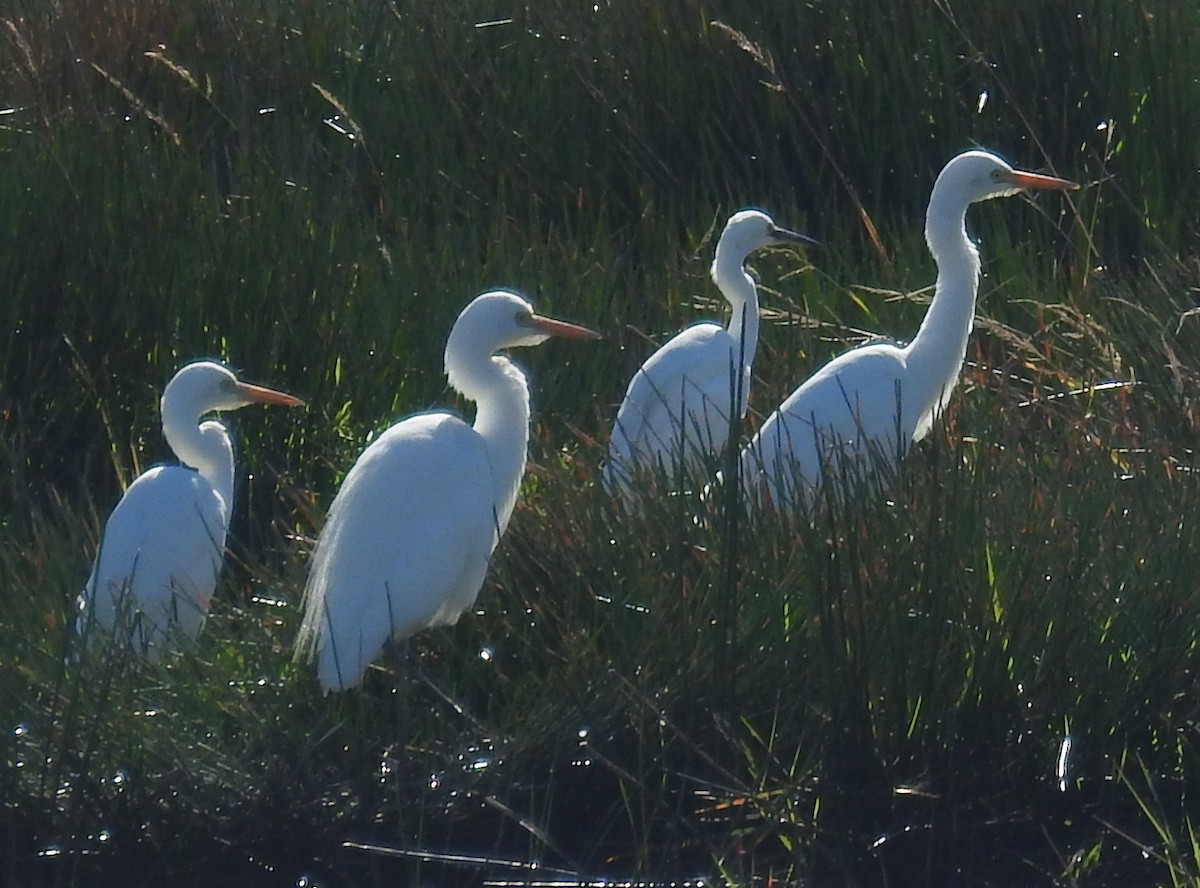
{"x": 551, "y": 327}
{"x": 1022, "y": 179}
{"x": 260, "y": 395}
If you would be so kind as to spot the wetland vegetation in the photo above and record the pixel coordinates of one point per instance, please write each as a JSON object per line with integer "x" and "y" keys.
{"x": 987, "y": 676}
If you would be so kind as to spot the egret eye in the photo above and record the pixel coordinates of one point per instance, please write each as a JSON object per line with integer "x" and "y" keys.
{"x": 995, "y": 175}
{"x": 523, "y": 318}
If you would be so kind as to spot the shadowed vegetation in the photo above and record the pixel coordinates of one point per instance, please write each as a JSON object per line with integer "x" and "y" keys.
{"x": 985, "y": 676}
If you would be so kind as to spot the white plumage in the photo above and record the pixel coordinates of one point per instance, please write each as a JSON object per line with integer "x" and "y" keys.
{"x": 161, "y": 553}
{"x": 407, "y": 540}
{"x": 676, "y": 414}
{"x": 864, "y": 408}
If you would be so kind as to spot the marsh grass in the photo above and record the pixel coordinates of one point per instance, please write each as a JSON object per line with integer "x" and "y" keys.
{"x": 870, "y": 695}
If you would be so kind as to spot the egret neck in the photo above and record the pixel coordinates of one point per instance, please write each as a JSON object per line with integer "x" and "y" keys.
{"x": 501, "y": 397}
{"x": 205, "y": 447}
{"x": 935, "y": 355}
{"x": 735, "y": 283}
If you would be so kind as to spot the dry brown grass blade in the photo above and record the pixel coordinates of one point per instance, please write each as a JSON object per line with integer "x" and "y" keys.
{"x": 24, "y": 49}
{"x": 157, "y": 119}
{"x": 351, "y": 123}
{"x": 765, "y": 61}
{"x": 181, "y": 72}
{"x": 762, "y": 56}
{"x": 369, "y": 178}
{"x": 873, "y": 235}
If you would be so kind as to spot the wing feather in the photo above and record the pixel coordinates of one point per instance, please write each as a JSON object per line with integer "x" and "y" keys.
{"x": 854, "y": 407}
{"x": 405, "y": 545}
{"x": 677, "y": 406}
{"x": 159, "y": 559}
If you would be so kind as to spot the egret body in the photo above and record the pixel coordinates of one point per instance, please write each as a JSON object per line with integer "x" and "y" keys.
{"x": 677, "y": 409}
{"x": 163, "y": 545}
{"x": 408, "y": 537}
{"x": 866, "y": 406}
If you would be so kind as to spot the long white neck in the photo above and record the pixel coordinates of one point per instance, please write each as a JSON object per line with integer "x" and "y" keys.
{"x": 205, "y": 447}
{"x": 501, "y": 397}
{"x": 936, "y": 353}
{"x": 737, "y": 286}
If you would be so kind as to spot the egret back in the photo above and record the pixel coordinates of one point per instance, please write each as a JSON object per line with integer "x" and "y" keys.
{"x": 857, "y": 413}
{"x": 405, "y": 545}
{"x": 157, "y": 567}
{"x": 677, "y": 407}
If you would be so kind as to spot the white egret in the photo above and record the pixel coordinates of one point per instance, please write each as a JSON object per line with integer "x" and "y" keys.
{"x": 870, "y": 403}
{"x": 409, "y": 535}
{"x": 676, "y": 412}
{"x": 163, "y": 545}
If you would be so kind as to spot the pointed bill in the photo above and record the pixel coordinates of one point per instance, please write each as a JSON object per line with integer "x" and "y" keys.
{"x": 786, "y": 234}
{"x": 1022, "y": 179}
{"x": 552, "y": 327}
{"x": 258, "y": 394}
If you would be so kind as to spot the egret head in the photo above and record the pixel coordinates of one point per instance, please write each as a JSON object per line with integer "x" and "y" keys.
{"x": 980, "y": 175}
{"x": 205, "y": 386}
{"x": 747, "y": 231}
{"x": 502, "y": 319}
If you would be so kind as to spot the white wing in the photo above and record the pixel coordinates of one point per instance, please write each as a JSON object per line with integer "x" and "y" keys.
{"x": 677, "y": 406}
{"x": 405, "y": 546}
{"x": 157, "y": 567}
{"x": 853, "y": 407}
